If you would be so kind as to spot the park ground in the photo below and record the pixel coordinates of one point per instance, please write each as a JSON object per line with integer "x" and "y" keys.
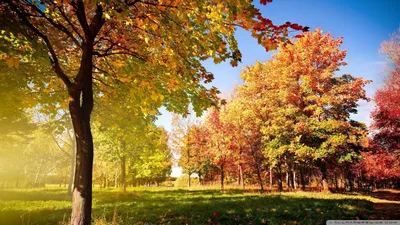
{"x": 197, "y": 206}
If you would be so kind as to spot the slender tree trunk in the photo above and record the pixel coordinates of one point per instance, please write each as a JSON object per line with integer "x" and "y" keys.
{"x": 303, "y": 181}
{"x": 241, "y": 178}
{"x": 200, "y": 179}
{"x": 294, "y": 180}
{"x": 336, "y": 182}
{"x": 349, "y": 177}
{"x": 270, "y": 178}
{"x": 222, "y": 177}
{"x": 260, "y": 182}
{"x": 116, "y": 179}
{"x": 287, "y": 180}
{"x": 291, "y": 180}
{"x": 188, "y": 184}
{"x": 280, "y": 180}
{"x": 324, "y": 176}
{"x": 123, "y": 172}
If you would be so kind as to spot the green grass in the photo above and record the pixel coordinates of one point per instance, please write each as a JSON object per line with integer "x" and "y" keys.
{"x": 183, "y": 206}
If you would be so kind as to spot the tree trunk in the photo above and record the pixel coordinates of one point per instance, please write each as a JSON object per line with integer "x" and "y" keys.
{"x": 123, "y": 173}
{"x": 188, "y": 184}
{"x": 294, "y": 180}
{"x": 280, "y": 180}
{"x": 81, "y": 106}
{"x": 287, "y": 180}
{"x": 303, "y": 181}
{"x": 324, "y": 176}
{"x": 270, "y": 178}
{"x": 200, "y": 179}
{"x": 259, "y": 177}
{"x": 336, "y": 182}
{"x": 116, "y": 179}
{"x": 241, "y": 178}
{"x": 222, "y": 177}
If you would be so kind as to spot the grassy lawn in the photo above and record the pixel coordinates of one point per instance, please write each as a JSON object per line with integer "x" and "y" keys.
{"x": 183, "y": 206}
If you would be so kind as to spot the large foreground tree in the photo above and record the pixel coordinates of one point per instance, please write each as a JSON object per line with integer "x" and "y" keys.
{"x": 154, "y": 47}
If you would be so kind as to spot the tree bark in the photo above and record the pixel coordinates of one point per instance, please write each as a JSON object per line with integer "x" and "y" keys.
{"x": 270, "y": 178}
{"x": 188, "y": 183}
{"x": 81, "y": 106}
{"x": 336, "y": 182}
{"x": 294, "y": 180}
{"x": 280, "y": 180}
{"x": 287, "y": 180}
{"x": 259, "y": 177}
{"x": 241, "y": 178}
{"x": 324, "y": 176}
{"x": 222, "y": 177}
{"x": 303, "y": 181}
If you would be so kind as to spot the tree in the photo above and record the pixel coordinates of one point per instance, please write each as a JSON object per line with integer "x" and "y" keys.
{"x": 246, "y": 136}
{"x": 380, "y": 167}
{"x": 181, "y": 141}
{"x": 386, "y": 115}
{"x": 159, "y": 45}
{"x": 306, "y": 108}
{"x": 382, "y": 164}
{"x": 220, "y": 142}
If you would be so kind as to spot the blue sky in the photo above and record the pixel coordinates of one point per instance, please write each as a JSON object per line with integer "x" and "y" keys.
{"x": 364, "y": 25}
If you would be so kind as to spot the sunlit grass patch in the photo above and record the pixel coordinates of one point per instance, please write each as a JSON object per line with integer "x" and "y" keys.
{"x": 180, "y": 206}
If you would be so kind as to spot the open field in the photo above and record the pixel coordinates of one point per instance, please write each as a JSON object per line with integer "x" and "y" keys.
{"x": 196, "y": 206}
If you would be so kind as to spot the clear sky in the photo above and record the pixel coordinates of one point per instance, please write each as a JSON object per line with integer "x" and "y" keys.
{"x": 364, "y": 25}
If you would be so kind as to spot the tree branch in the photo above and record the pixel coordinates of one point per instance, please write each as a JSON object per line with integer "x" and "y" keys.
{"x": 56, "y": 64}
{"x": 56, "y": 25}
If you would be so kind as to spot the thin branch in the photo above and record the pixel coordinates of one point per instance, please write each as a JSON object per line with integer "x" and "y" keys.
{"x": 81, "y": 14}
{"x": 59, "y": 146}
{"x": 102, "y": 82}
{"x": 70, "y": 23}
{"x": 97, "y": 21}
{"x": 54, "y": 60}
{"x": 56, "y": 25}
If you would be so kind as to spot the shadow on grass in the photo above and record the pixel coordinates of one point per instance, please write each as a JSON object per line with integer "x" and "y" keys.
{"x": 190, "y": 207}
{"x": 45, "y": 217}
{"x": 386, "y": 195}
{"x": 386, "y": 211}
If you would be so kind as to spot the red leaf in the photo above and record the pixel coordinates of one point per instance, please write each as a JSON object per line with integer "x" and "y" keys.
{"x": 264, "y": 2}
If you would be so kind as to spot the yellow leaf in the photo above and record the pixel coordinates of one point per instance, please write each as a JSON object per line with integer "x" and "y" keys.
{"x": 12, "y": 62}
{"x": 107, "y": 16}
{"x": 153, "y": 112}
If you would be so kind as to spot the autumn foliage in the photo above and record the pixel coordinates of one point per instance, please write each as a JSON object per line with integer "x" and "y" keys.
{"x": 291, "y": 117}
{"x": 382, "y": 166}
